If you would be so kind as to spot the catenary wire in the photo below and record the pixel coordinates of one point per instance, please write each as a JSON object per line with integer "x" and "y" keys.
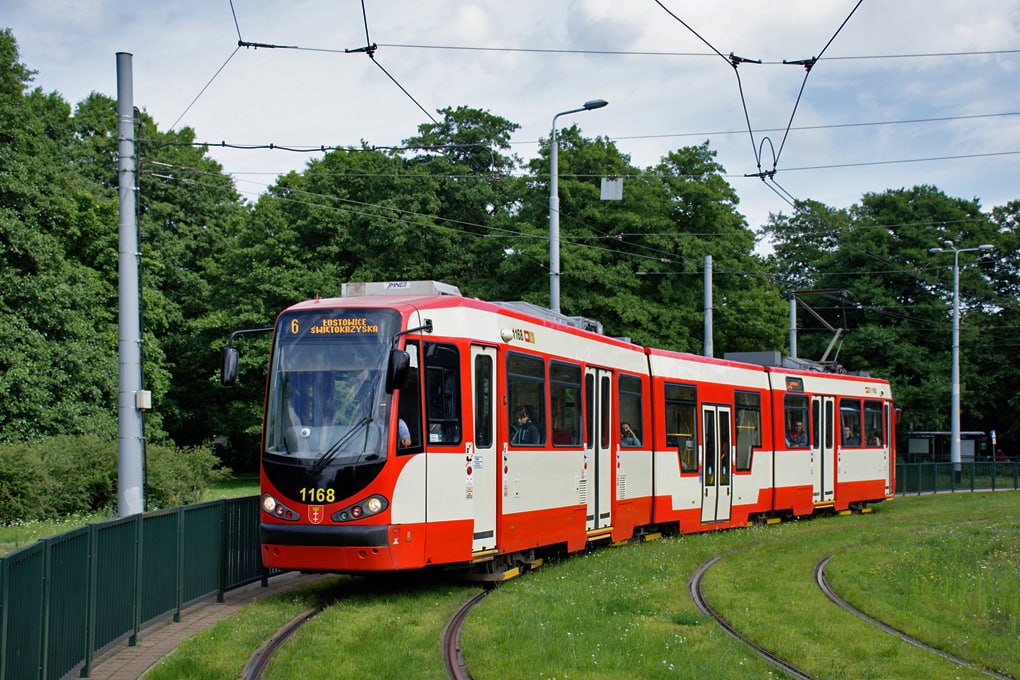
{"x": 202, "y": 91}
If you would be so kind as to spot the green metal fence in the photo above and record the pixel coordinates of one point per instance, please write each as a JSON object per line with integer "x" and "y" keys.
{"x": 66, "y": 598}
{"x": 918, "y": 478}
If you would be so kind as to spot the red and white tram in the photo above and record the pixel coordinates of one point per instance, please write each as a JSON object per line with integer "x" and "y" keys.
{"x": 407, "y": 426}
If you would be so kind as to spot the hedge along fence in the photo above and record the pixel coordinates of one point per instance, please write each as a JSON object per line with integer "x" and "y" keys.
{"x": 66, "y": 598}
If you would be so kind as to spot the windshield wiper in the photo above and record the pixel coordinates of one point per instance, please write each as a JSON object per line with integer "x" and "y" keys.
{"x": 329, "y": 454}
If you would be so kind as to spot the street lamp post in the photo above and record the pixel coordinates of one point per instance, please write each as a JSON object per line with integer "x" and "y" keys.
{"x": 954, "y": 412}
{"x": 554, "y": 205}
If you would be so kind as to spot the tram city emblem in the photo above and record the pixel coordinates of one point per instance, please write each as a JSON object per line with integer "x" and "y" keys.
{"x": 315, "y": 514}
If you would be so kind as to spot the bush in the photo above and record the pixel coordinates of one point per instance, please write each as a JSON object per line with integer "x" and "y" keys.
{"x": 75, "y": 474}
{"x": 181, "y": 475}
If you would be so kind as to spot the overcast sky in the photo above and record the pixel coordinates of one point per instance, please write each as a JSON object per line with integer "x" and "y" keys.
{"x": 855, "y": 99}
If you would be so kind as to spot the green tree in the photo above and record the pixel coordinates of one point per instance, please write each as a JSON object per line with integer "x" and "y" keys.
{"x": 882, "y": 286}
{"x": 58, "y": 365}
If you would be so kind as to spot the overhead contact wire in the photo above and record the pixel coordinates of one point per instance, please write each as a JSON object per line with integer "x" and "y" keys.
{"x": 808, "y": 64}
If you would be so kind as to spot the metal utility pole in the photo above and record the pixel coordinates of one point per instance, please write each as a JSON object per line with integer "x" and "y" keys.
{"x": 709, "y": 349}
{"x": 554, "y": 205}
{"x": 955, "y": 456}
{"x": 130, "y": 399}
{"x": 793, "y": 325}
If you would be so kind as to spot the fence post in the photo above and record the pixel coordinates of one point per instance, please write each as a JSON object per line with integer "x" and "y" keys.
{"x": 973, "y": 469}
{"x": 90, "y": 601}
{"x": 224, "y": 548}
{"x": 4, "y": 607}
{"x": 44, "y": 639}
{"x": 179, "y": 516}
{"x": 136, "y": 600}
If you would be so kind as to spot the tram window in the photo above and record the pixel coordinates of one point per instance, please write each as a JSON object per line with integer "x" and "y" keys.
{"x": 850, "y": 422}
{"x": 442, "y": 393}
{"x": 525, "y": 384}
{"x": 565, "y": 394}
{"x": 816, "y": 418}
{"x": 409, "y": 404}
{"x": 875, "y": 433}
{"x": 710, "y": 448}
{"x": 604, "y": 420}
{"x": 681, "y": 424}
{"x": 828, "y": 424}
{"x": 589, "y": 407}
{"x": 748, "y": 427}
{"x": 795, "y": 421}
{"x": 483, "y": 401}
{"x": 724, "y": 448}
{"x": 630, "y": 400}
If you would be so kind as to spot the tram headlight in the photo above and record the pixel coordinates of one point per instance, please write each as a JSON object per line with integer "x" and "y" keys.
{"x": 268, "y": 503}
{"x": 373, "y": 505}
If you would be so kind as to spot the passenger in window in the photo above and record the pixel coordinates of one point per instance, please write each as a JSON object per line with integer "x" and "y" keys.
{"x": 797, "y": 437}
{"x": 403, "y": 434}
{"x": 627, "y": 436}
{"x": 874, "y": 440}
{"x": 524, "y": 430}
{"x": 849, "y": 439}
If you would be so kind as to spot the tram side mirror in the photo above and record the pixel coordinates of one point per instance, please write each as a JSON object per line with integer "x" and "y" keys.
{"x": 228, "y": 376}
{"x": 398, "y": 371}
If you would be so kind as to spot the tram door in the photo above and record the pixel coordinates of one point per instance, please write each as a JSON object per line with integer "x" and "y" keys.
{"x": 480, "y": 460}
{"x": 823, "y": 456}
{"x": 716, "y": 472}
{"x": 597, "y": 477}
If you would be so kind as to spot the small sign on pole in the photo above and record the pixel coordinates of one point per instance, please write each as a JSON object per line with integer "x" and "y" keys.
{"x": 612, "y": 188}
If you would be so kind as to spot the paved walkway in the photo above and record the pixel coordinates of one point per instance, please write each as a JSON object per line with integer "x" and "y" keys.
{"x": 122, "y": 662}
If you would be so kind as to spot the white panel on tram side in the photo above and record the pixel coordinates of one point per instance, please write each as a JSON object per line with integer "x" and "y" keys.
{"x": 846, "y": 386}
{"x": 691, "y": 370}
{"x": 486, "y": 326}
{"x": 446, "y": 496}
{"x": 633, "y": 474}
{"x": 794, "y": 468}
{"x": 859, "y": 465}
{"x": 407, "y": 506}
{"x": 683, "y": 492}
{"x": 541, "y": 480}
{"x": 747, "y": 487}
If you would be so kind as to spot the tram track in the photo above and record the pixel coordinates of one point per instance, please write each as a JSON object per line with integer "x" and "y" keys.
{"x": 453, "y": 657}
{"x": 694, "y": 587}
{"x": 257, "y": 664}
{"x": 823, "y": 583}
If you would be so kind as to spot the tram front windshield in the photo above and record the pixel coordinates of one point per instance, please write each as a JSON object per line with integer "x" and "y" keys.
{"x": 327, "y": 406}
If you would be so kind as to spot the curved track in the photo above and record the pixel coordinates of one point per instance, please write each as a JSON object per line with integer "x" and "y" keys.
{"x": 823, "y": 583}
{"x": 259, "y": 661}
{"x": 452, "y": 656}
{"x": 694, "y": 586}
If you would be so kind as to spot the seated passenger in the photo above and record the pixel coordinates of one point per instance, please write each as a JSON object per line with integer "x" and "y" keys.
{"x": 523, "y": 429}
{"x": 627, "y": 436}
{"x": 849, "y": 439}
{"x": 797, "y": 437}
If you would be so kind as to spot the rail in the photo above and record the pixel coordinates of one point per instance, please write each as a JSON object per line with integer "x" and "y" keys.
{"x": 67, "y": 598}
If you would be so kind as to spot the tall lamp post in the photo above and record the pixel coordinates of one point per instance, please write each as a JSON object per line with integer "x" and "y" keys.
{"x": 954, "y": 413}
{"x": 554, "y": 205}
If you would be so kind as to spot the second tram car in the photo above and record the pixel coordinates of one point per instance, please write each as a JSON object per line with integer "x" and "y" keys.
{"x": 407, "y": 426}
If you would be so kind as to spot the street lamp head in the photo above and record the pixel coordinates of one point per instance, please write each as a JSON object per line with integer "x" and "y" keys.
{"x": 595, "y": 104}
{"x": 986, "y": 246}
{"x": 936, "y": 250}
